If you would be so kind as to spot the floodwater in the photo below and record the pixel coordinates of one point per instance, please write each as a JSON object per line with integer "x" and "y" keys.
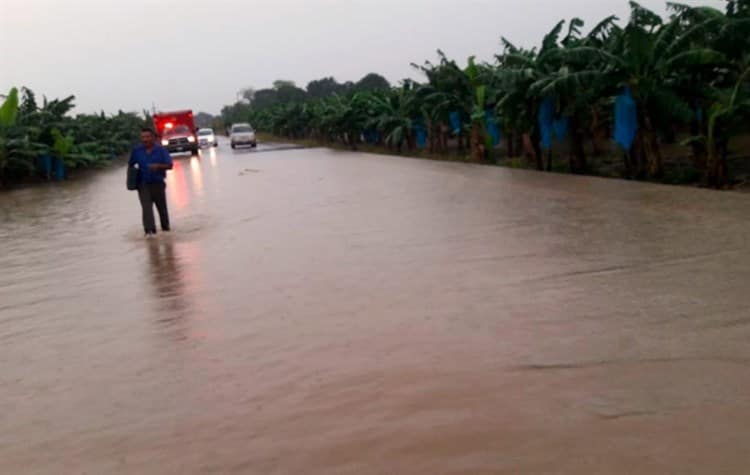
{"x": 321, "y": 312}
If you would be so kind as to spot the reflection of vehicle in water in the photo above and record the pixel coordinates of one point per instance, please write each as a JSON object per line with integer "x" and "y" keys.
{"x": 242, "y": 134}
{"x": 177, "y": 131}
{"x": 206, "y": 137}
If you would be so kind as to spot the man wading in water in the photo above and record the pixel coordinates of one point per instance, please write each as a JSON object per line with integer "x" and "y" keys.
{"x": 152, "y": 161}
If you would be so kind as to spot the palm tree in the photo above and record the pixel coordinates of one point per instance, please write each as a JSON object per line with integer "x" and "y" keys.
{"x": 447, "y": 91}
{"x": 393, "y": 115}
{"x": 575, "y": 78}
{"x": 729, "y": 110}
{"x": 484, "y": 95}
{"x": 652, "y": 58}
{"x": 519, "y": 69}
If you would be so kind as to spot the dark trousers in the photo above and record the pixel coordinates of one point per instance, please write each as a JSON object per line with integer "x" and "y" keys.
{"x": 152, "y": 194}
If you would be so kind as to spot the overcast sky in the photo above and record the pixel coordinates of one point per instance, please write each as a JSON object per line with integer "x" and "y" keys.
{"x": 128, "y": 54}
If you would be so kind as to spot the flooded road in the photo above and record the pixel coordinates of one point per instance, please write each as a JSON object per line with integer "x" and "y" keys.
{"x": 322, "y": 312}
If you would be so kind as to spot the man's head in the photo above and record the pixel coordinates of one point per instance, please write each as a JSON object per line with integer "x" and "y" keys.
{"x": 148, "y": 137}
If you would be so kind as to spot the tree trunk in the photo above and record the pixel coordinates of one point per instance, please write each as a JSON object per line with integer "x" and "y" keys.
{"x": 509, "y": 144}
{"x": 520, "y": 145}
{"x": 598, "y": 133}
{"x": 478, "y": 151}
{"x": 723, "y": 173}
{"x": 536, "y": 146}
{"x": 529, "y": 151}
{"x": 432, "y": 131}
{"x": 652, "y": 152}
{"x": 627, "y": 163}
{"x": 699, "y": 151}
{"x": 717, "y": 171}
{"x": 633, "y": 159}
{"x": 577, "y": 151}
{"x": 639, "y": 157}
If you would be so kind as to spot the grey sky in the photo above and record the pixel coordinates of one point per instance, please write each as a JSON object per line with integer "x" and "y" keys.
{"x": 196, "y": 54}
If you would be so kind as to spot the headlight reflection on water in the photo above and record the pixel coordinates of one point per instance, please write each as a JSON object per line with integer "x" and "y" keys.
{"x": 196, "y": 174}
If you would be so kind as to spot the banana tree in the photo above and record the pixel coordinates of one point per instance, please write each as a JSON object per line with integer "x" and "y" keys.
{"x": 652, "y": 58}
{"x": 9, "y": 109}
{"x": 434, "y": 108}
{"x": 518, "y": 69}
{"x": 447, "y": 92}
{"x": 393, "y": 116}
{"x": 73, "y": 155}
{"x": 576, "y": 79}
{"x": 730, "y": 109}
{"x": 17, "y": 151}
{"x": 478, "y": 78}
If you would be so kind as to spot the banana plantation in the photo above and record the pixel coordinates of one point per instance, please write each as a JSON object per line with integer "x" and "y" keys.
{"x": 664, "y": 99}
{"x": 43, "y": 141}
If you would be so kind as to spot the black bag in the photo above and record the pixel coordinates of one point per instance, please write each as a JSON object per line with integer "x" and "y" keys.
{"x": 132, "y": 178}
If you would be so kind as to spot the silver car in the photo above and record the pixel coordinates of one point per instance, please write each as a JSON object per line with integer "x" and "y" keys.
{"x": 242, "y": 134}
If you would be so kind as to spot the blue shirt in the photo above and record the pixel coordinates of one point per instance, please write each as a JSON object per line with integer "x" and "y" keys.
{"x": 140, "y": 156}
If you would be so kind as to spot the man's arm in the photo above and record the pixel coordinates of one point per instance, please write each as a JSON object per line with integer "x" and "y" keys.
{"x": 167, "y": 159}
{"x": 166, "y": 162}
{"x": 132, "y": 160}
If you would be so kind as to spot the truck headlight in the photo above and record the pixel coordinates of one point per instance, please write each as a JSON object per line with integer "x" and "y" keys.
{"x": 191, "y": 139}
{"x": 165, "y": 142}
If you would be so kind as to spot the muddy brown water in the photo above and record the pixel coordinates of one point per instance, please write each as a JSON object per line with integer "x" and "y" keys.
{"x": 324, "y": 312}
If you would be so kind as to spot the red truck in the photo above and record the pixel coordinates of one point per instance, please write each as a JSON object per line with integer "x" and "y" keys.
{"x": 176, "y": 131}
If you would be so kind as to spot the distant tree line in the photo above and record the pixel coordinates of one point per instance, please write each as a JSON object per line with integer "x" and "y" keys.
{"x": 285, "y": 92}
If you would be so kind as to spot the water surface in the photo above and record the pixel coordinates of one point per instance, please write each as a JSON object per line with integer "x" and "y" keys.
{"x": 325, "y": 312}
